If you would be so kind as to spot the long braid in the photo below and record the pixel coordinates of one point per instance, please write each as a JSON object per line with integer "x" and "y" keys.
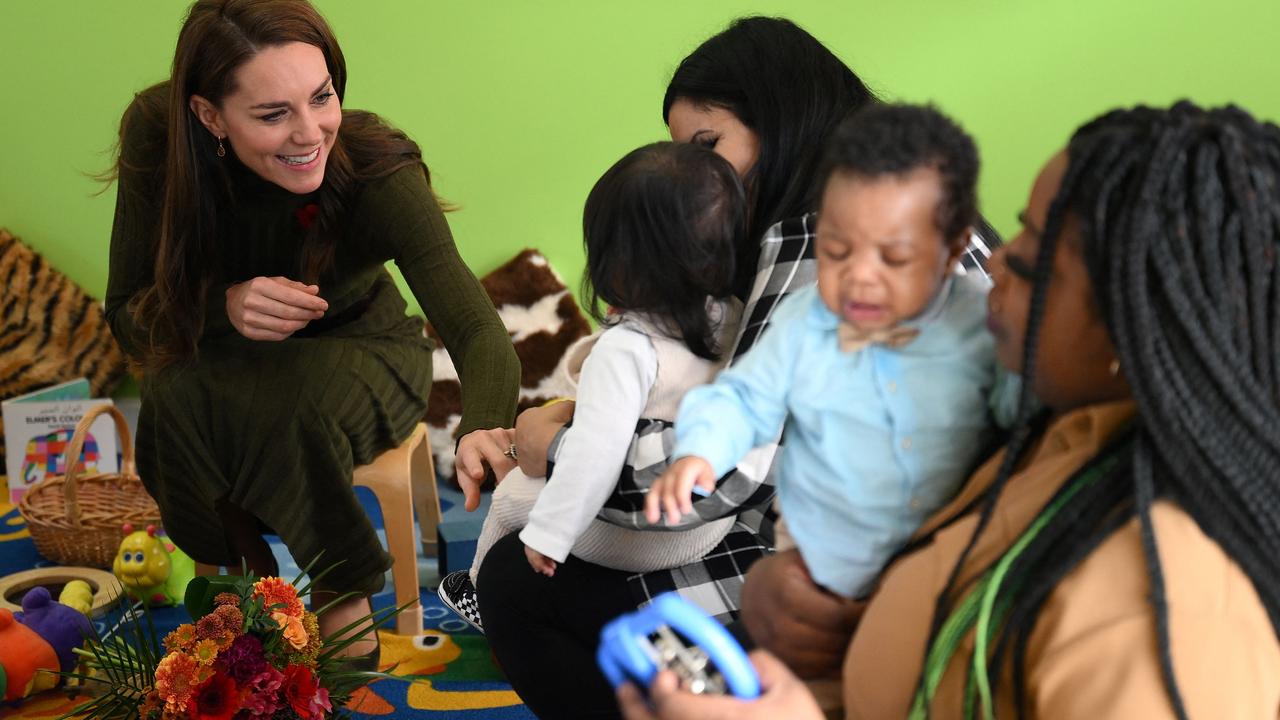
{"x": 1143, "y": 231}
{"x": 1180, "y": 219}
{"x": 1020, "y": 438}
{"x": 1201, "y": 366}
{"x": 1074, "y": 520}
{"x": 1144, "y": 488}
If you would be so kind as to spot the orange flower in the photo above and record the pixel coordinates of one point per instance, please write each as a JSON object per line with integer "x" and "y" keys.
{"x": 277, "y": 592}
{"x": 205, "y": 652}
{"x": 180, "y": 639}
{"x": 151, "y": 705}
{"x": 177, "y": 676}
{"x": 232, "y": 618}
{"x": 226, "y": 598}
{"x": 307, "y": 655}
{"x": 222, "y": 625}
{"x": 209, "y": 627}
{"x": 224, "y": 640}
{"x": 294, "y": 631}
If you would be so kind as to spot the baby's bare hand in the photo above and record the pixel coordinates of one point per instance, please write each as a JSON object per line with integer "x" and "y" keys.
{"x": 671, "y": 491}
{"x": 540, "y": 563}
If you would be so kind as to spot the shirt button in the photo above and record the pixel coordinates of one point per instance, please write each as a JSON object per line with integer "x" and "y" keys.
{"x": 915, "y": 504}
{"x": 891, "y": 386}
{"x": 906, "y": 443}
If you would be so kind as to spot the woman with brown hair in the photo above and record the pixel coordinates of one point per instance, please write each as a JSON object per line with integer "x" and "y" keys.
{"x": 247, "y": 282}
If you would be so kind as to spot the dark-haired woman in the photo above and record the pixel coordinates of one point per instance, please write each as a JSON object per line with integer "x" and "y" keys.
{"x": 253, "y": 221}
{"x": 764, "y": 94}
{"x": 1121, "y": 558}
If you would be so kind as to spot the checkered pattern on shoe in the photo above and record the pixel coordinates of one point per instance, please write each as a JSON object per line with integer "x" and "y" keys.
{"x": 459, "y": 595}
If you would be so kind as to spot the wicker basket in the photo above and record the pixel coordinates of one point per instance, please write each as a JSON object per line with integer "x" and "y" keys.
{"x": 76, "y": 519}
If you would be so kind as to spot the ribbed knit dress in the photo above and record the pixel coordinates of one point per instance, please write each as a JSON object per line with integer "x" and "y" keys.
{"x": 277, "y": 427}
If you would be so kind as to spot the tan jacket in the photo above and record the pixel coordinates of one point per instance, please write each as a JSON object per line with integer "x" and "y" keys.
{"x": 1093, "y": 653}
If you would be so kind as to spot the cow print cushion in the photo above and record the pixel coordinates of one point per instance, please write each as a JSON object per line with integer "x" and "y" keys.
{"x": 543, "y": 320}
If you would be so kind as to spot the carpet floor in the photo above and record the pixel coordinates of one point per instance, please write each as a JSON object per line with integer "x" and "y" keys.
{"x": 463, "y": 681}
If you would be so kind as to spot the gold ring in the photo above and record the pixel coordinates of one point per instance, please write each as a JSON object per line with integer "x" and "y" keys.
{"x": 511, "y": 451}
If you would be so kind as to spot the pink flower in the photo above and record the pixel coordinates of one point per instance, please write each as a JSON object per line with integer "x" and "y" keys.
{"x": 320, "y": 703}
{"x": 263, "y": 699}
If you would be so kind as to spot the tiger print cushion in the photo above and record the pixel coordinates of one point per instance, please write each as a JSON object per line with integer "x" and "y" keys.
{"x": 543, "y": 320}
{"x": 51, "y": 331}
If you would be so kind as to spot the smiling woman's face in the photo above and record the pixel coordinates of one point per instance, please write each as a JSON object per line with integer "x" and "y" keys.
{"x": 283, "y": 117}
{"x": 1075, "y": 354}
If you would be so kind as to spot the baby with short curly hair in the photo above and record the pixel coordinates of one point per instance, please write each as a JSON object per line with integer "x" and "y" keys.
{"x": 881, "y": 376}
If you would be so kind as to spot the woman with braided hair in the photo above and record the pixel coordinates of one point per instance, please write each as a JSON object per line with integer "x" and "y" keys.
{"x": 1121, "y": 557}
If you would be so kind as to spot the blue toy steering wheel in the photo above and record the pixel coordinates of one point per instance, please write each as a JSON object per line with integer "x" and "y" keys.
{"x": 673, "y": 633}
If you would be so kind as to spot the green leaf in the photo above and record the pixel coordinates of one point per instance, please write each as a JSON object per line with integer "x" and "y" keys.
{"x": 198, "y": 599}
{"x": 202, "y": 590}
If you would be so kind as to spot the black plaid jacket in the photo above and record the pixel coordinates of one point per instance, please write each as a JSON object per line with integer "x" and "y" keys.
{"x": 715, "y": 582}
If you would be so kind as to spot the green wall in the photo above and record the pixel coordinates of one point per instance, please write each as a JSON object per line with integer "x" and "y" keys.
{"x": 519, "y": 106}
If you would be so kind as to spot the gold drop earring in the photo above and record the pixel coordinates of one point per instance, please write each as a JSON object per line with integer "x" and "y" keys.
{"x": 222, "y": 152}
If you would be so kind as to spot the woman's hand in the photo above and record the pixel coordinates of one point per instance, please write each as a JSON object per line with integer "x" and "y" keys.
{"x": 789, "y": 615}
{"x": 671, "y": 491}
{"x": 477, "y": 451}
{"x": 535, "y": 429}
{"x": 540, "y": 563}
{"x": 273, "y": 308}
{"x": 782, "y": 695}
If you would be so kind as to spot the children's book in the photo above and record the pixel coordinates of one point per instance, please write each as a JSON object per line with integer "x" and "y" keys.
{"x": 38, "y": 427}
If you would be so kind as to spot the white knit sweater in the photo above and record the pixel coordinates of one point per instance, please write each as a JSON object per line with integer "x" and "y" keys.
{"x": 629, "y": 371}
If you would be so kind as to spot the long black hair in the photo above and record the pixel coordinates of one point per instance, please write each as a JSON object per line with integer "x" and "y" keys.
{"x": 791, "y": 91}
{"x": 660, "y": 227}
{"x": 1179, "y": 212}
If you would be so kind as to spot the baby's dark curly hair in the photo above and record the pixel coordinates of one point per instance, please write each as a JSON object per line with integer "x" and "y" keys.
{"x": 896, "y": 140}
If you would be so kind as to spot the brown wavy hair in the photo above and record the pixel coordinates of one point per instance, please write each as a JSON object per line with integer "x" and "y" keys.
{"x": 217, "y": 38}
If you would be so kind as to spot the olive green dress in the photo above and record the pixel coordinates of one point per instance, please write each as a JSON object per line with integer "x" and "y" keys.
{"x": 276, "y": 427}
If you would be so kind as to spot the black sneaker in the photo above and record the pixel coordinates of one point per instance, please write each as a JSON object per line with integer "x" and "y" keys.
{"x": 459, "y": 595}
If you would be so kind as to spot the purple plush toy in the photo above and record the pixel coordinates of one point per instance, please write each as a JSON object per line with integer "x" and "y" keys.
{"x": 64, "y": 628}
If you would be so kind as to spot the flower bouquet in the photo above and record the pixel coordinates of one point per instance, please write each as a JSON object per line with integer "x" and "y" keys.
{"x": 252, "y": 651}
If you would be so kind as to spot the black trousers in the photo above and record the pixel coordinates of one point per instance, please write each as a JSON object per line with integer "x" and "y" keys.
{"x": 545, "y": 631}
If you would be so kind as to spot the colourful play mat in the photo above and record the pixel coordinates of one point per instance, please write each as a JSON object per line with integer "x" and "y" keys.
{"x": 464, "y": 682}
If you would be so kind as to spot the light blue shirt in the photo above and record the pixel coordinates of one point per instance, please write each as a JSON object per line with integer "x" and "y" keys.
{"x": 874, "y": 441}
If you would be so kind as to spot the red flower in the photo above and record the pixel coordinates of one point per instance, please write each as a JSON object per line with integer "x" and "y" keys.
{"x": 301, "y": 688}
{"x": 217, "y": 699}
{"x": 306, "y": 215}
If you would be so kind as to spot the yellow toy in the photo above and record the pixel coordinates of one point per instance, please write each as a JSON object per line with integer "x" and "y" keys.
{"x": 77, "y": 595}
{"x": 151, "y": 568}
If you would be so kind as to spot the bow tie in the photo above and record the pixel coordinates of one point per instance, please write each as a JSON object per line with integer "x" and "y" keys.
{"x": 852, "y": 339}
